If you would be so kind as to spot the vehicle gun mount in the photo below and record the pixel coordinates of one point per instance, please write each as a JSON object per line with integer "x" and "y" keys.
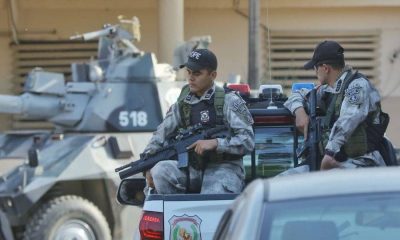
{"x": 117, "y": 91}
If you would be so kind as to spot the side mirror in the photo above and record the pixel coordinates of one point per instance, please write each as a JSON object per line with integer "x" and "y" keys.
{"x": 130, "y": 191}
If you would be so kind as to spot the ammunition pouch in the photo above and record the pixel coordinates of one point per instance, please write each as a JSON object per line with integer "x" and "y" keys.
{"x": 366, "y": 138}
{"x": 357, "y": 145}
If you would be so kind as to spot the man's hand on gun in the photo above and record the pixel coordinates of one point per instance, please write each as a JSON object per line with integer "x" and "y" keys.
{"x": 201, "y": 146}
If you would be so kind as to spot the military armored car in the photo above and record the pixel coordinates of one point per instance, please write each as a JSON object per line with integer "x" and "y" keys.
{"x": 60, "y": 183}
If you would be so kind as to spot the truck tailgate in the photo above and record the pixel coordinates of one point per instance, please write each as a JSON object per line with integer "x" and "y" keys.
{"x": 195, "y": 215}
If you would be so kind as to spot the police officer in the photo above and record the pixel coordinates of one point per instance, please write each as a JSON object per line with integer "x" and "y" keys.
{"x": 353, "y": 125}
{"x": 215, "y": 164}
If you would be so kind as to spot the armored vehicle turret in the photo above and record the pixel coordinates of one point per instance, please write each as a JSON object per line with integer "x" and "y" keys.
{"x": 60, "y": 183}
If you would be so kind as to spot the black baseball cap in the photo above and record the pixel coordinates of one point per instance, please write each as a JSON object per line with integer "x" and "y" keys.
{"x": 200, "y": 59}
{"x": 326, "y": 52}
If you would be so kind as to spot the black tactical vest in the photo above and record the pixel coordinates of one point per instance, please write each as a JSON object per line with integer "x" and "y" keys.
{"x": 209, "y": 113}
{"x": 203, "y": 112}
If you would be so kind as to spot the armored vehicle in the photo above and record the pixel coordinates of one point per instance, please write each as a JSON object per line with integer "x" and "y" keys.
{"x": 60, "y": 183}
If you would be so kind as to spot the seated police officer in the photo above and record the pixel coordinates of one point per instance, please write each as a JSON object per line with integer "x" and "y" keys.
{"x": 215, "y": 164}
{"x": 353, "y": 125}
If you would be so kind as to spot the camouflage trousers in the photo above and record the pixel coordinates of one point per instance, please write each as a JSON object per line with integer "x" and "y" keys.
{"x": 373, "y": 159}
{"x": 221, "y": 177}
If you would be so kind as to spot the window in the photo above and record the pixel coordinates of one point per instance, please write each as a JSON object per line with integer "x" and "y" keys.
{"x": 357, "y": 217}
{"x": 287, "y": 51}
{"x": 274, "y": 151}
{"x": 51, "y": 55}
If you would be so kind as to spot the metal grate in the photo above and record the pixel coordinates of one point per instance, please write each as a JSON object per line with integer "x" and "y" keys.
{"x": 51, "y": 55}
{"x": 291, "y": 49}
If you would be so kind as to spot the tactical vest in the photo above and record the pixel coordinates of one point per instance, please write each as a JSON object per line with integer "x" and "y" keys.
{"x": 209, "y": 113}
{"x": 366, "y": 137}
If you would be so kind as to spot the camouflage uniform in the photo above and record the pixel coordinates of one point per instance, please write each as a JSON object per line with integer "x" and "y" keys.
{"x": 218, "y": 177}
{"x": 360, "y": 99}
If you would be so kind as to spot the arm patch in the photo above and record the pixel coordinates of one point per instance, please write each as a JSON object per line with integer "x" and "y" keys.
{"x": 239, "y": 107}
{"x": 354, "y": 95}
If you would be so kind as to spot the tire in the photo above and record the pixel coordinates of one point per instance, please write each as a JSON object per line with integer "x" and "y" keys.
{"x": 67, "y": 217}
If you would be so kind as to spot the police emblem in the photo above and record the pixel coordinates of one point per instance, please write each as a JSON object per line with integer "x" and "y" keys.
{"x": 354, "y": 95}
{"x": 204, "y": 116}
{"x": 185, "y": 227}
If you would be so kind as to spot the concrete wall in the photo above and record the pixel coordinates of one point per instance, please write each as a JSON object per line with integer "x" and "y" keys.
{"x": 5, "y": 61}
{"x": 383, "y": 19}
{"x": 227, "y": 28}
{"x": 218, "y": 19}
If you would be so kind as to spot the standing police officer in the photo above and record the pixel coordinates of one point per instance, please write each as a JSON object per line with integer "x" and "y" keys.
{"x": 215, "y": 164}
{"x": 353, "y": 125}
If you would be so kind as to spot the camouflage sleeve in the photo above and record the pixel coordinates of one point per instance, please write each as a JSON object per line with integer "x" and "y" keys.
{"x": 165, "y": 129}
{"x": 354, "y": 110}
{"x": 296, "y": 100}
{"x": 239, "y": 119}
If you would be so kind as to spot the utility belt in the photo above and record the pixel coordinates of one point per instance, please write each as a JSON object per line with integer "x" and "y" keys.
{"x": 200, "y": 162}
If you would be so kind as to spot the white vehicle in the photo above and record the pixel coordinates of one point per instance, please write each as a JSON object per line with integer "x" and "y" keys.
{"x": 197, "y": 216}
{"x": 358, "y": 204}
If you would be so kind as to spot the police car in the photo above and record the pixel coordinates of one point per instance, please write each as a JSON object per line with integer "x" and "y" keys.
{"x": 195, "y": 216}
{"x": 355, "y": 206}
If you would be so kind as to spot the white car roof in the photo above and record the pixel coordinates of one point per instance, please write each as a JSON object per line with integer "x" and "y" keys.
{"x": 334, "y": 182}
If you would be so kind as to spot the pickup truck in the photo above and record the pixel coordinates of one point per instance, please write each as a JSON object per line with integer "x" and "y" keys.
{"x": 195, "y": 216}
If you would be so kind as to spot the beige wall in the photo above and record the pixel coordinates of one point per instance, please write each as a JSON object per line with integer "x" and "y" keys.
{"x": 229, "y": 38}
{"x": 218, "y": 19}
{"x": 391, "y": 106}
{"x": 383, "y": 19}
{"x": 5, "y": 62}
{"x": 227, "y": 28}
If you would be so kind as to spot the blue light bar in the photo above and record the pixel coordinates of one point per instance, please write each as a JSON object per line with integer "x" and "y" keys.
{"x": 297, "y": 86}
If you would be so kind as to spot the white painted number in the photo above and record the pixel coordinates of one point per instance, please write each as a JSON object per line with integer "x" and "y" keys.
{"x": 136, "y": 118}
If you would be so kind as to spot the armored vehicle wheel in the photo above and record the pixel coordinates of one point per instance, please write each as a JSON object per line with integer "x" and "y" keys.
{"x": 68, "y": 217}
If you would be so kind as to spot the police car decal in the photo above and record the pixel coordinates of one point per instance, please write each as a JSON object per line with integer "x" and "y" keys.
{"x": 185, "y": 227}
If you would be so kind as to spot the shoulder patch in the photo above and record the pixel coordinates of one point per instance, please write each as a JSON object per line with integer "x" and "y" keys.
{"x": 238, "y": 105}
{"x": 354, "y": 94}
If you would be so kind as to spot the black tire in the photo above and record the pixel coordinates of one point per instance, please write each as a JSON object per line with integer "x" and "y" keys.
{"x": 70, "y": 216}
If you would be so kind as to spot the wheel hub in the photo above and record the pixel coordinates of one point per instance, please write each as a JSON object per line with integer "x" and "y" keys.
{"x": 74, "y": 229}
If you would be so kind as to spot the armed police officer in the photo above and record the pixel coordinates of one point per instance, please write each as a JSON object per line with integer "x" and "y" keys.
{"x": 215, "y": 165}
{"x": 353, "y": 124}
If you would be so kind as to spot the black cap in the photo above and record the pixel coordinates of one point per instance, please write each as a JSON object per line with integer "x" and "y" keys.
{"x": 200, "y": 59}
{"x": 326, "y": 52}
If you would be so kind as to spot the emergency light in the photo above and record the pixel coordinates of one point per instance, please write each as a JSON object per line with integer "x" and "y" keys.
{"x": 297, "y": 86}
{"x": 243, "y": 89}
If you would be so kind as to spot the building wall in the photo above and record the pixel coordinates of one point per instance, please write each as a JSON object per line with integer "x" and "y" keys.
{"x": 218, "y": 19}
{"x": 5, "y": 62}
